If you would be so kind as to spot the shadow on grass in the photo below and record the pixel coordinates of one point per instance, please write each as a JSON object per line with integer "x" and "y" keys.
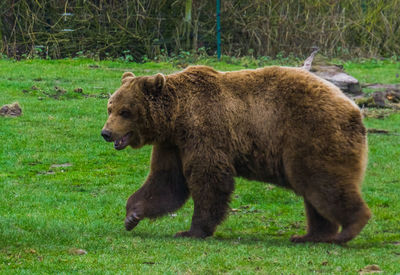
{"x": 32, "y": 233}
{"x": 269, "y": 240}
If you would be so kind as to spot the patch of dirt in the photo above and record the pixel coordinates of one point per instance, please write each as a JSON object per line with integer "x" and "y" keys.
{"x": 77, "y": 251}
{"x": 369, "y": 269}
{"x": 59, "y": 93}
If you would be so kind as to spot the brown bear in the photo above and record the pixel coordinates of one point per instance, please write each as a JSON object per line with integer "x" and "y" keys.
{"x": 280, "y": 125}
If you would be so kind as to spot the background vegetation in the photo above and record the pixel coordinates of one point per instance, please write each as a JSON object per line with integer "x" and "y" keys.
{"x": 63, "y": 189}
{"x": 150, "y": 28}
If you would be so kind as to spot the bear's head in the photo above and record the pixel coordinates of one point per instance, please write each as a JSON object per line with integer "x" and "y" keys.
{"x": 129, "y": 112}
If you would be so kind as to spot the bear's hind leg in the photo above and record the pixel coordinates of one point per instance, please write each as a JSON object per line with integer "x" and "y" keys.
{"x": 344, "y": 207}
{"x": 353, "y": 222}
{"x": 319, "y": 229}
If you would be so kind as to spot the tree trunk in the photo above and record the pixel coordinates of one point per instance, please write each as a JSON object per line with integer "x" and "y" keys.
{"x": 188, "y": 22}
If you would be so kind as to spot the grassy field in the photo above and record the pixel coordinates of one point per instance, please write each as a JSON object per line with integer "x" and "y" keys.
{"x": 63, "y": 190}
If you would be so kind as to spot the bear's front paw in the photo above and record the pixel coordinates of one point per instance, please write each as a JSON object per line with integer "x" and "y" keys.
{"x": 191, "y": 234}
{"x": 131, "y": 221}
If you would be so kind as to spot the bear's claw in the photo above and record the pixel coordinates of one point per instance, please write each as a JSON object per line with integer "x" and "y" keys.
{"x": 131, "y": 222}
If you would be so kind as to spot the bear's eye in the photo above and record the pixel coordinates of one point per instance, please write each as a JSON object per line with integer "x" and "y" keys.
{"x": 125, "y": 113}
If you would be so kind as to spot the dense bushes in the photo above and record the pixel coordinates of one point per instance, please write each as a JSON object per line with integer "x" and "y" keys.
{"x": 133, "y": 29}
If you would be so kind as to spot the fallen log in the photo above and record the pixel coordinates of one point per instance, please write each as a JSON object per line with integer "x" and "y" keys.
{"x": 332, "y": 73}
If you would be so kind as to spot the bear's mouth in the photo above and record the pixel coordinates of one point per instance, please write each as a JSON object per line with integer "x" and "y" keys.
{"x": 121, "y": 143}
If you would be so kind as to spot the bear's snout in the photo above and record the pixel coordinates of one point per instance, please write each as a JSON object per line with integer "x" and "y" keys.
{"x": 106, "y": 135}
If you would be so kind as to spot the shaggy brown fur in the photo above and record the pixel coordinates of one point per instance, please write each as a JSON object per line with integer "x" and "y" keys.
{"x": 275, "y": 124}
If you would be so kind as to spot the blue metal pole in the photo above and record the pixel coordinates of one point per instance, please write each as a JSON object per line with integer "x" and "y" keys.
{"x": 219, "y": 29}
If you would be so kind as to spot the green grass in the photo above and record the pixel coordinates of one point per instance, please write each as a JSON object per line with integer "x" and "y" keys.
{"x": 46, "y": 213}
{"x": 375, "y": 71}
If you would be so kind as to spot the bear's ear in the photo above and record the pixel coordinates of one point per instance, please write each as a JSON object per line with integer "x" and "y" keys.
{"x": 154, "y": 84}
{"x": 127, "y": 76}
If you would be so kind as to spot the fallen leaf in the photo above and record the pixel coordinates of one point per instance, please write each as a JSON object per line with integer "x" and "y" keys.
{"x": 373, "y": 268}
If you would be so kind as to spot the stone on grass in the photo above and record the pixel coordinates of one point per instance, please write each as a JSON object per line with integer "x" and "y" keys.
{"x": 12, "y": 110}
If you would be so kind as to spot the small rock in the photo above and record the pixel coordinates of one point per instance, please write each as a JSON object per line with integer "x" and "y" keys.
{"x": 78, "y": 90}
{"x": 12, "y": 110}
